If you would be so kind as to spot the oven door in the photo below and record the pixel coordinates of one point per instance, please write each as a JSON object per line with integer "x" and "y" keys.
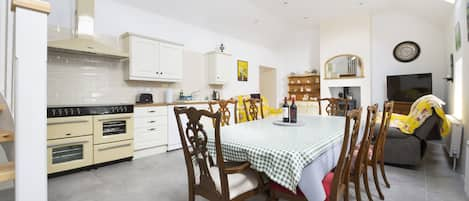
{"x": 69, "y": 153}
{"x": 113, "y": 128}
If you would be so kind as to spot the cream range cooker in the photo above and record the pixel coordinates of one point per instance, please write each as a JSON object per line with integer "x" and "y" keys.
{"x": 83, "y": 136}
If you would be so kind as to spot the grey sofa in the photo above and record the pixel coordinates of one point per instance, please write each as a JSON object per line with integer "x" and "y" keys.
{"x": 403, "y": 149}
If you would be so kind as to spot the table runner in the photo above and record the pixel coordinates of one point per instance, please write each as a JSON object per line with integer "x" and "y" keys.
{"x": 280, "y": 152}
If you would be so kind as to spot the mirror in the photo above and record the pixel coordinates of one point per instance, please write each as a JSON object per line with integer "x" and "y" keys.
{"x": 344, "y": 66}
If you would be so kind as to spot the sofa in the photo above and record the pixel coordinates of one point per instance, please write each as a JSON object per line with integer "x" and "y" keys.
{"x": 408, "y": 150}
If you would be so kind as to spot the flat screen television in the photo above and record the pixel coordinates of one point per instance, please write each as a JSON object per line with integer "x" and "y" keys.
{"x": 409, "y": 88}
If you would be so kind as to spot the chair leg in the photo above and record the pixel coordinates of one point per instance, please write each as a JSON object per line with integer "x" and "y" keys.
{"x": 383, "y": 173}
{"x": 358, "y": 196}
{"x": 272, "y": 196}
{"x": 375, "y": 177}
{"x": 346, "y": 193}
{"x": 367, "y": 185}
{"x": 191, "y": 194}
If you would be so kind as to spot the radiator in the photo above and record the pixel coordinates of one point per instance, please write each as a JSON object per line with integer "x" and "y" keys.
{"x": 453, "y": 142}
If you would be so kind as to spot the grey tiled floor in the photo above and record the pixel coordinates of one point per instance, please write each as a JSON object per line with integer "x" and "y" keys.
{"x": 163, "y": 178}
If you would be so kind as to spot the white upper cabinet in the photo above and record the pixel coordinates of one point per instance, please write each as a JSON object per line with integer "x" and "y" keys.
{"x": 152, "y": 59}
{"x": 144, "y": 56}
{"x": 218, "y": 63}
{"x": 171, "y": 61}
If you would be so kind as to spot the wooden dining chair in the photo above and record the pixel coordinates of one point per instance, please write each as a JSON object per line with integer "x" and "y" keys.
{"x": 224, "y": 182}
{"x": 336, "y": 181}
{"x": 253, "y": 110}
{"x": 361, "y": 154}
{"x": 224, "y": 110}
{"x": 377, "y": 148}
{"x": 333, "y": 106}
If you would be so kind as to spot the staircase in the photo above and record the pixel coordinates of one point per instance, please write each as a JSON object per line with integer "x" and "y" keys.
{"x": 7, "y": 169}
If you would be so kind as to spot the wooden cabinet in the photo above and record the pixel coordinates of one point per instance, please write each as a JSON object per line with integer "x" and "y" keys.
{"x": 151, "y": 128}
{"x": 152, "y": 59}
{"x": 402, "y": 107}
{"x": 304, "y": 87}
{"x": 218, "y": 63}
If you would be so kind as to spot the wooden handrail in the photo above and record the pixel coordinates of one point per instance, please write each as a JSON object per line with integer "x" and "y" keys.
{"x": 7, "y": 171}
{"x": 35, "y": 5}
{"x": 6, "y": 136}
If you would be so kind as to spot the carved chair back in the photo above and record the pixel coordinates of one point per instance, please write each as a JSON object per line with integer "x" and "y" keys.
{"x": 378, "y": 149}
{"x": 343, "y": 168}
{"x": 254, "y": 109}
{"x": 370, "y": 123}
{"x": 194, "y": 142}
{"x": 333, "y": 106}
{"x": 223, "y": 108}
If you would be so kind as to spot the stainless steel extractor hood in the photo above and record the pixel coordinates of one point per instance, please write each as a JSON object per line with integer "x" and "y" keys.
{"x": 83, "y": 41}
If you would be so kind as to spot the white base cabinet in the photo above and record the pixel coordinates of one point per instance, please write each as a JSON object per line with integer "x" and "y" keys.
{"x": 150, "y": 134}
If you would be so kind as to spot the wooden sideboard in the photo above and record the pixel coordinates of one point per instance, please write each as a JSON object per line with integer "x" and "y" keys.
{"x": 402, "y": 107}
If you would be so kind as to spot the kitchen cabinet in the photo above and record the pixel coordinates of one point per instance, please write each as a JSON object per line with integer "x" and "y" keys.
{"x": 171, "y": 57}
{"x": 153, "y": 59}
{"x": 218, "y": 63}
{"x": 174, "y": 140}
{"x": 150, "y": 134}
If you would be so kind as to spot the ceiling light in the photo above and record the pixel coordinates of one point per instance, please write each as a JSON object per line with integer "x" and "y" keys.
{"x": 450, "y": 1}
{"x": 285, "y": 2}
{"x": 306, "y": 18}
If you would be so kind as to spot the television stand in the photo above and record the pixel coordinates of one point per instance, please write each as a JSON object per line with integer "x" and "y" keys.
{"x": 401, "y": 107}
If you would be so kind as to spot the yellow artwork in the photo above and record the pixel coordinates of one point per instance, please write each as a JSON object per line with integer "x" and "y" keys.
{"x": 243, "y": 68}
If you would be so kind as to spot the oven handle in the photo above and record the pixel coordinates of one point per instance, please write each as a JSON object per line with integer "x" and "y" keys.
{"x": 67, "y": 122}
{"x": 112, "y": 119}
{"x": 115, "y": 147}
{"x": 67, "y": 144}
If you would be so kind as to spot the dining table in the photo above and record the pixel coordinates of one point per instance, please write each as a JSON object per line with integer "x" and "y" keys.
{"x": 292, "y": 156}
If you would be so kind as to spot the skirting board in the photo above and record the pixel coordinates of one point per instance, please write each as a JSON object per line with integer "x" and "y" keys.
{"x": 150, "y": 152}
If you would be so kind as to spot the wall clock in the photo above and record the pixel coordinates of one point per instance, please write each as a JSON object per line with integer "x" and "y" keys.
{"x": 407, "y": 51}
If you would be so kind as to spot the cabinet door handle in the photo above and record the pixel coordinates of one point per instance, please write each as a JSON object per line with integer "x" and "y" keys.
{"x": 151, "y": 122}
{"x": 114, "y": 147}
{"x": 67, "y": 122}
{"x": 151, "y": 129}
{"x": 152, "y": 111}
{"x": 114, "y": 119}
{"x": 67, "y": 144}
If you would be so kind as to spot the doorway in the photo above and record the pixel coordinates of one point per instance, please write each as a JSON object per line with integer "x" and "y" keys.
{"x": 268, "y": 85}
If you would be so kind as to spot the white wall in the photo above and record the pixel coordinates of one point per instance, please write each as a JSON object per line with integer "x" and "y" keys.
{"x": 391, "y": 28}
{"x": 350, "y": 35}
{"x": 460, "y": 16}
{"x": 113, "y": 18}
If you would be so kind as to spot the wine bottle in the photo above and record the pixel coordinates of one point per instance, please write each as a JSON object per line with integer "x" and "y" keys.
{"x": 293, "y": 111}
{"x": 286, "y": 111}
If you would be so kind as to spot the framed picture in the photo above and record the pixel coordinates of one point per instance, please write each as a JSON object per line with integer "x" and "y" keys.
{"x": 243, "y": 68}
{"x": 457, "y": 33}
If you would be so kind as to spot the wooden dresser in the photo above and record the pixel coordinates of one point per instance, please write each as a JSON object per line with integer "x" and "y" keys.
{"x": 304, "y": 87}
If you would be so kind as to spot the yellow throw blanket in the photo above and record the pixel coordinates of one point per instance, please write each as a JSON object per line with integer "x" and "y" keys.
{"x": 420, "y": 111}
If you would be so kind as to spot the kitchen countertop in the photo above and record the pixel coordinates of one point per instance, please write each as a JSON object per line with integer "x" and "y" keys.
{"x": 174, "y": 103}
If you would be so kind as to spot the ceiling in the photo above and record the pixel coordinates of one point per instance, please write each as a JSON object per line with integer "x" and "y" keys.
{"x": 265, "y": 21}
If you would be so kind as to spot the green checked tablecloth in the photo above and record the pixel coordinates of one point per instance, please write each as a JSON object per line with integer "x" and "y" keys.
{"x": 278, "y": 151}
